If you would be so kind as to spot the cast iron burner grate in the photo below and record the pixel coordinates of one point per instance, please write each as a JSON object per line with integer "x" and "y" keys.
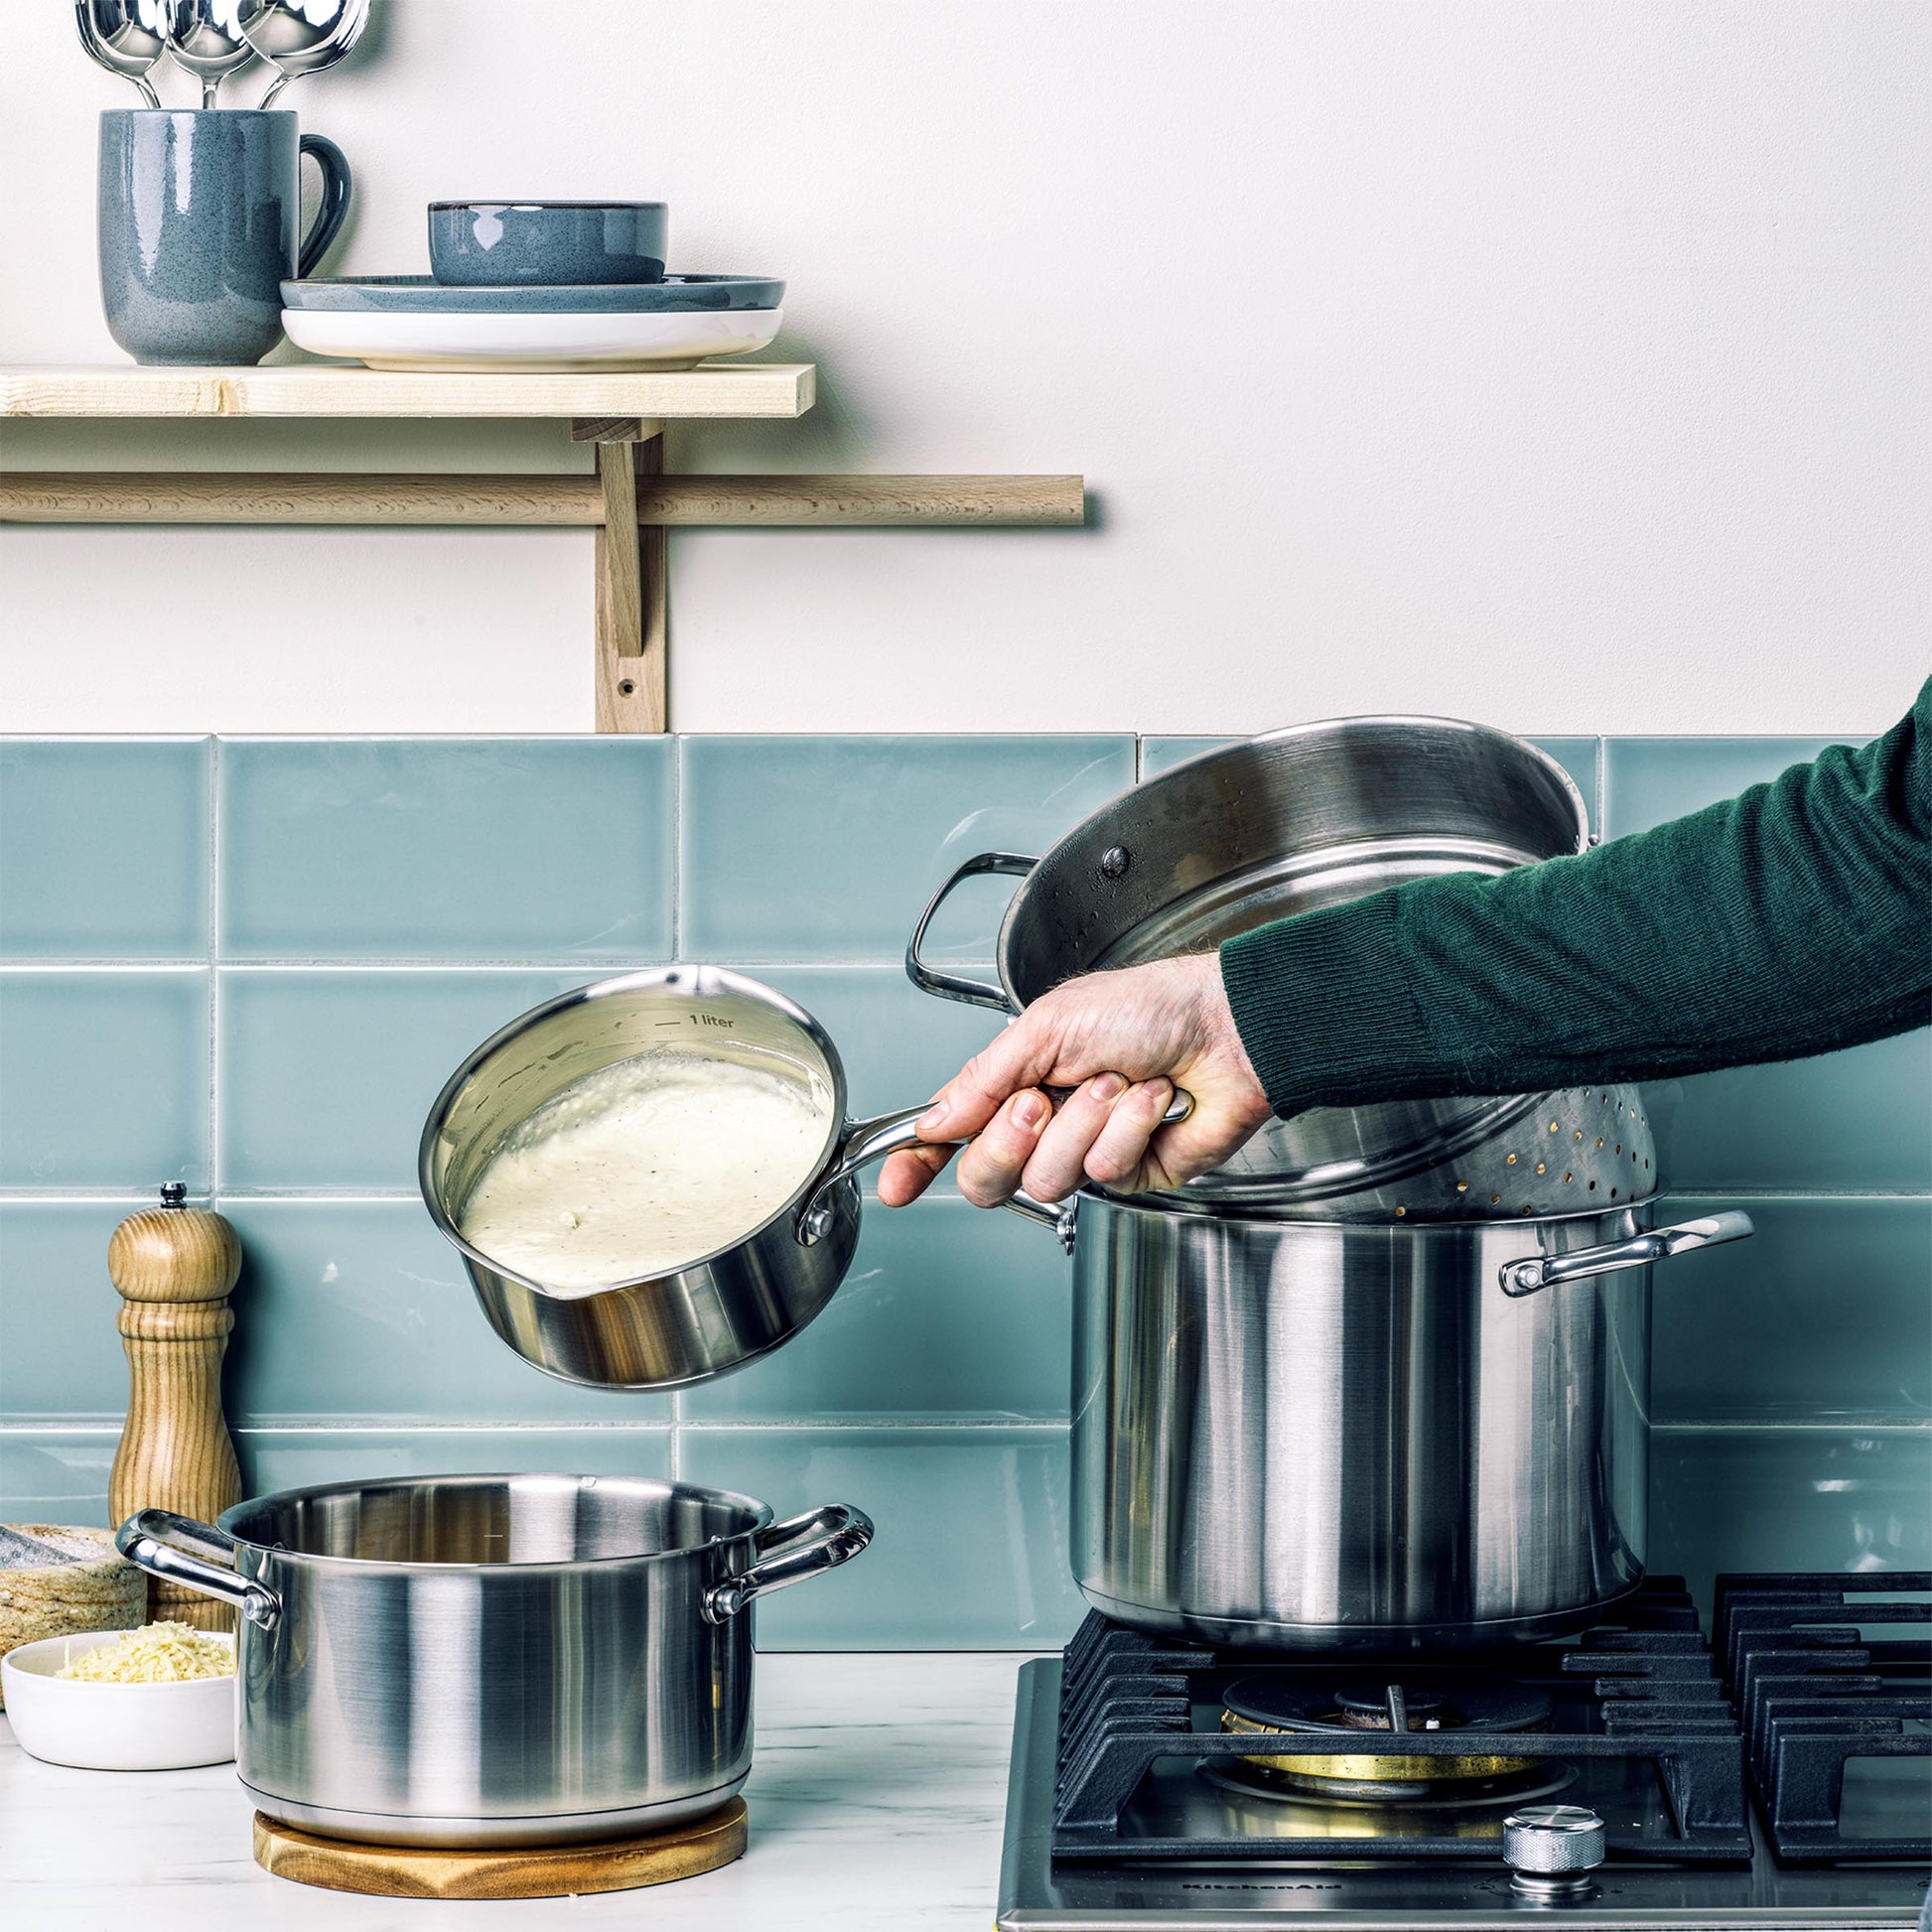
{"x": 1636, "y": 1720}
{"x": 1815, "y": 1693}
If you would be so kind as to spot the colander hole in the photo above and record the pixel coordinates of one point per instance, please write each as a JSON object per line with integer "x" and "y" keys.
{"x": 1512, "y": 1162}
{"x": 1570, "y": 1176}
{"x": 1593, "y": 1187}
{"x": 1400, "y": 1212}
{"x": 1619, "y": 1145}
{"x": 1552, "y": 1126}
{"x": 1541, "y": 1165}
{"x": 1613, "y": 1193}
{"x": 1579, "y": 1132}
{"x": 1599, "y": 1139}
{"x": 1494, "y": 1199}
{"x": 1462, "y": 1186}
{"x": 1527, "y": 1208}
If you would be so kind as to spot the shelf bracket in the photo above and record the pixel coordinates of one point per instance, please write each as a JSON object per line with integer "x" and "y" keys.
{"x": 633, "y": 621}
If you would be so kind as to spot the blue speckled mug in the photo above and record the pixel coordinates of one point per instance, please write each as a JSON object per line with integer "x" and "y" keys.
{"x": 197, "y": 229}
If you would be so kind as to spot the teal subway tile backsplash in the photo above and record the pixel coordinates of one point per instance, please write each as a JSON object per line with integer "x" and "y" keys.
{"x": 103, "y": 848}
{"x": 56, "y": 1475}
{"x": 326, "y": 1075}
{"x": 1159, "y": 755}
{"x": 1825, "y": 1312}
{"x": 949, "y": 1311}
{"x": 826, "y": 848}
{"x": 294, "y": 1458}
{"x": 540, "y": 849}
{"x": 360, "y": 1308}
{"x": 264, "y": 1003}
{"x": 1800, "y": 1498}
{"x": 1855, "y": 1121}
{"x": 971, "y": 1545}
{"x": 103, "y": 1079}
{"x": 899, "y": 1045}
{"x": 60, "y": 1351}
{"x": 1649, "y": 779}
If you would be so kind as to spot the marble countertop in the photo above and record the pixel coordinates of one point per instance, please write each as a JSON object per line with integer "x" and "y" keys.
{"x": 859, "y": 1817}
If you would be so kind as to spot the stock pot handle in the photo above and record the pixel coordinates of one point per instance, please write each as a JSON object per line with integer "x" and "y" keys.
{"x": 151, "y": 1539}
{"x": 788, "y": 1553}
{"x": 1536, "y": 1271}
{"x": 955, "y": 986}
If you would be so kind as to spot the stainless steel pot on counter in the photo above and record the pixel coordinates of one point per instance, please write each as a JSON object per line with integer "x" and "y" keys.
{"x": 494, "y": 1660}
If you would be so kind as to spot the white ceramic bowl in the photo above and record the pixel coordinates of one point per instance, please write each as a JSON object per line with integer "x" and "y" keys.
{"x": 668, "y": 340}
{"x": 114, "y": 1727}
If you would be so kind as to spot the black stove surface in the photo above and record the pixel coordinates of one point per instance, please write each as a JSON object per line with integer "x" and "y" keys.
{"x": 1779, "y": 1781}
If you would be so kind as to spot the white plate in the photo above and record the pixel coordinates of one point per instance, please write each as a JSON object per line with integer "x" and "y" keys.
{"x": 113, "y": 1726}
{"x": 679, "y": 340}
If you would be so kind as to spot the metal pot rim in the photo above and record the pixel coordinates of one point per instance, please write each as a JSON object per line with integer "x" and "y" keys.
{"x": 1207, "y": 1211}
{"x": 760, "y": 1517}
{"x": 618, "y": 984}
{"x": 1309, "y": 728}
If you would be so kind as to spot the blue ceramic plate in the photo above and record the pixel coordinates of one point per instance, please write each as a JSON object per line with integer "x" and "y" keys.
{"x": 422, "y": 295}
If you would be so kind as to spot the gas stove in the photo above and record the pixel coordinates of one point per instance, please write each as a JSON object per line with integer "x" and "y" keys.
{"x": 1636, "y": 1775}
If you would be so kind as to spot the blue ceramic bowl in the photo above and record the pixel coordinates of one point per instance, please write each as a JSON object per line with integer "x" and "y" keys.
{"x": 512, "y": 245}
{"x": 419, "y": 295}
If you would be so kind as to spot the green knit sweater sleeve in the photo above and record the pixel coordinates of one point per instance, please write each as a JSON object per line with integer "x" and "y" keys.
{"x": 1793, "y": 918}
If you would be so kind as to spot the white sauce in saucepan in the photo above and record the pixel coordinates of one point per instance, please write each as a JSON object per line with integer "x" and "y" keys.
{"x": 644, "y": 1166}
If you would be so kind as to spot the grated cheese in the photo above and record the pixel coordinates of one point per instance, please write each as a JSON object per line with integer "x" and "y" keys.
{"x": 160, "y": 1654}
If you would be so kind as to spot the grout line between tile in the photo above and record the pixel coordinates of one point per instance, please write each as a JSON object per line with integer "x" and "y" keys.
{"x": 215, "y": 1135}
{"x": 1810, "y": 1425}
{"x": 677, "y": 851}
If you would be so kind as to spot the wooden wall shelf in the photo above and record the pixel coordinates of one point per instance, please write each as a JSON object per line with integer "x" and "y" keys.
{"x": 622, "y": 414}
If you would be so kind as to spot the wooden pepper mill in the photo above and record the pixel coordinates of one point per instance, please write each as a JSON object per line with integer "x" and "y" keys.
{"x": 174, "y": 1266}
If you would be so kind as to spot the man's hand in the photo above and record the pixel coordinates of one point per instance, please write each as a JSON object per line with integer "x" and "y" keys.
{"x": 1123, "y": 1042}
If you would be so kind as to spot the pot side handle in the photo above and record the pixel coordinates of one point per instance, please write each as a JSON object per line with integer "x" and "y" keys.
{"x": 955, "y": 986}
{"x": 789, "y": 1552}
{"x": 1527, "y": 1276}
{"x": 151, "y": 1538}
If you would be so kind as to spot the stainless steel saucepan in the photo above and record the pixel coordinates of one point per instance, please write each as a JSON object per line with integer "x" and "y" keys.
{"x": 494, "y": 1660}
{"x": 726, "y": 1308}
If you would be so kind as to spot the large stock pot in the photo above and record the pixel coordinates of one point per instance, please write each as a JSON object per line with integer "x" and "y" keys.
{"x": 1294, "y": 1433}
{"x": 494, "y": 1660}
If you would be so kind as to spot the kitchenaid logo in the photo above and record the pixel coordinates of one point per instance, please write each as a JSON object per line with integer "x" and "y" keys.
{"x": 1259, "y": 1884}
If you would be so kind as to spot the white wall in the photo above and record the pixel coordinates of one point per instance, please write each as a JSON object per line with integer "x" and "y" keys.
{"x": 1562, "y": 362}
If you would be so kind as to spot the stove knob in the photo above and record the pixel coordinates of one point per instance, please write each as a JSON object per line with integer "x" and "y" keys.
{"x": 1551, "y": 1849}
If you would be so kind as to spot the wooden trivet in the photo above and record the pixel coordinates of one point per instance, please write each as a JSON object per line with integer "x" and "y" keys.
{"x": 515, "y": 1871}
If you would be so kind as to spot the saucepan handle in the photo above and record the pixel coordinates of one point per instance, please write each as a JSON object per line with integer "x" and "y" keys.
{"x": 1536, "y": 1272}
{"x": 955, "y": 986}
{"x": 151, "y": 1538}
{"x": 867, "y": 1140}
{"x": 788, "y": 1553}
